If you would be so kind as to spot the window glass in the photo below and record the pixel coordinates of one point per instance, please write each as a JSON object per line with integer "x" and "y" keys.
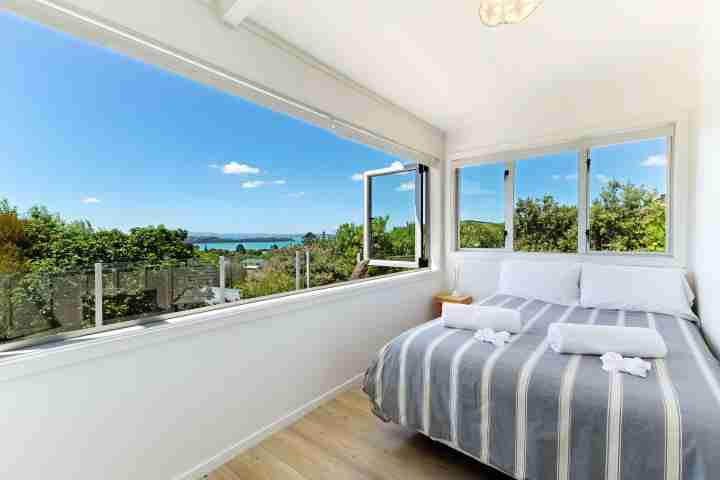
{"x": 481, "y": 195}
{"x": 393, "y": 216}
{"x": 128, "y": 191}
{"x": 628, "y": 197}
{"x": 546, "y": 193}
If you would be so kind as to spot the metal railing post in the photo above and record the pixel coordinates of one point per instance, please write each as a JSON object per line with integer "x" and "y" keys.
{"x": 99, "y": 294}
{"x": 307, "y": 268}
{"x": 297, "y": 270}
{"x": 222, "y": 280}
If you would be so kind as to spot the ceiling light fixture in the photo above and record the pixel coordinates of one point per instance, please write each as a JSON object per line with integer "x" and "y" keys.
{"x": 499, "y": 12}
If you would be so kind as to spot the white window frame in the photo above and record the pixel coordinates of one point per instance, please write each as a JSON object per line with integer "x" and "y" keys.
{"x": 422, "y": 202}
{"x": 583, "y": 147}
{"x": 508, "y": 207}
{"x": 669, "y": 135}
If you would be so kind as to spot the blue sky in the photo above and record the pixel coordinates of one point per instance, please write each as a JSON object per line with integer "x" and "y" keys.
{"x": 642, "y": 163}
{"x": 95, "y": 135}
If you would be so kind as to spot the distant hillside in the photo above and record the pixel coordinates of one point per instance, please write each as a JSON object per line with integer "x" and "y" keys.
{"x": 236, "y": 237}
{"x": 224, "y": 239}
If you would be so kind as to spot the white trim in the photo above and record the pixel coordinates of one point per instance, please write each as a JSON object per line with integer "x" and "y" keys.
{"x": 310, "y": 60}
{"x": 583, "y": 185}
{"x": 253, "y": 439}
{"x": 108, "y": 343}
{"x": 509, "y": 199}
{"x": 233, "y": 12}
{"x": 571, "y": 136}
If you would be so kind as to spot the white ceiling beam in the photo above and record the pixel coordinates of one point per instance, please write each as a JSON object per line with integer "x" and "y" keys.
{"x": 233, "y": 12}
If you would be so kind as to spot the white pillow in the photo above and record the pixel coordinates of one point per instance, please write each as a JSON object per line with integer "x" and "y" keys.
{"x": 553, "y": 282}
{"x": 657, "y": 290}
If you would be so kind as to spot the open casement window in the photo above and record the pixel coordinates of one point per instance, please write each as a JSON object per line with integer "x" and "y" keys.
{"x": 396, "y": 216}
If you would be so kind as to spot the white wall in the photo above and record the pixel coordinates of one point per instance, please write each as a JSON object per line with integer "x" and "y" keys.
{"x": 705, "y": 258}
{"x": 157, "y": 410}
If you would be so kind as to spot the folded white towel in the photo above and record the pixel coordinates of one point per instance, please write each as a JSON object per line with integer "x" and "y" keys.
{"x": 614, "y": 362}
{"x": 490, "y": 336}
{"x": 598, "y": 339}
{"x": 475, "y": 317}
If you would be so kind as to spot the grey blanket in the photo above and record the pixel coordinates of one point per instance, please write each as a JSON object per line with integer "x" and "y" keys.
{"x": 535, "y": 414}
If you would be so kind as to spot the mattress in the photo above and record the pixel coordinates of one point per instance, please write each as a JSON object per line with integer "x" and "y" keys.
{"x": 535, "y": 414}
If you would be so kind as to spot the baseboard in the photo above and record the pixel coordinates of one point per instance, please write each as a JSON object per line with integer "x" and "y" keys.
{"x": 250, "y": 441}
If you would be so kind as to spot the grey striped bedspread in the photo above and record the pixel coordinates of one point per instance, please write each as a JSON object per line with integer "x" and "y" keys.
{"x": 535, "y": 414}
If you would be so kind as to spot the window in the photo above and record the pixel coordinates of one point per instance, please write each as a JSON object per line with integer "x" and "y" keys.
{"x": 546, "y": 189}
{"x": 129, "y": 192}
{"x": 481, "y": 197}
{"x": 595, "y": 195}
{"x": 395, "y": 200}
{"x": 629, "y": 196}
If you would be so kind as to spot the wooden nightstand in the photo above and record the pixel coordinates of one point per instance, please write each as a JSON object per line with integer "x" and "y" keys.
{"x": 438, "y": 300}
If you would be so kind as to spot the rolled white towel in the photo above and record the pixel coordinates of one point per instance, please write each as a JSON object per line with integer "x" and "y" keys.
{"x": 614, "y": 362}
{"x": 491, "y": 336}
{"x": 599, "y": 339}
{"x": 475, "y": 317}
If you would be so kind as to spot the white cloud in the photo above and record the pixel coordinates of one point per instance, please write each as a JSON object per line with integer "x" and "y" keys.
{"x": 261, "y": 183}
{"x": 556, "y": 177}
{"x": 214, "y": 165}
{"x": 89, "y": 200}
{"x": 396, "y": 165}
{"x": 296, "y": 194}
{"x": 602, "y": 178}
{"x": 235, "y": 168}
{"x": 406, "y": 187}
{"x": 571, "y": 177}
{"x": 655, "y": 161}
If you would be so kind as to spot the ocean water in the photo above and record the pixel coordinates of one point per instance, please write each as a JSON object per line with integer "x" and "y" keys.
{"x": 231, "y": 246}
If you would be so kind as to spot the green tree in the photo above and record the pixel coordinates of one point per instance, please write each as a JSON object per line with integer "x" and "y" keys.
{"x": 240, "y": 249}
{"x": 477, "y": 234}
{"x": 544, "y": 225}
{"x": 309, "y": 238}
{"x": 627, "y": 217}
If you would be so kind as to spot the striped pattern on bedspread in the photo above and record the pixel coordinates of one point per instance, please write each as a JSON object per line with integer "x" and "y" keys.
{"x": 538, "y": 415}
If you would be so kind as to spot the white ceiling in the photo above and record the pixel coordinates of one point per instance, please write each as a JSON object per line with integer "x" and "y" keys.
{"x": 437, "y": 60}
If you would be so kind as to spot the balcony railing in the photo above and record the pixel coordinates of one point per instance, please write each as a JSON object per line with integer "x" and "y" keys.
{"x": 56, "y": 304}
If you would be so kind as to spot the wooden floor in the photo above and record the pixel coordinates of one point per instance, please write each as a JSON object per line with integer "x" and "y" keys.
{"x": 342, "y": 440}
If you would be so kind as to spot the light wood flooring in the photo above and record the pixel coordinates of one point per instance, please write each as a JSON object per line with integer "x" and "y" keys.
{"x": 343, "y": 440}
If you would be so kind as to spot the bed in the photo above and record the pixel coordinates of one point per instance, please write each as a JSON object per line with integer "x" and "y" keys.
{"x": 535, "y": 414}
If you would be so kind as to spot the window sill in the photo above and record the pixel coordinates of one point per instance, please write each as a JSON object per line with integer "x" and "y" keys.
{"x": 34, "y": 360}
{"x": 630, "y": 259}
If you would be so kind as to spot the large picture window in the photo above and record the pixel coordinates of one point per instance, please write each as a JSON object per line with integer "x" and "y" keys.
{"x": 608, "y": 195}
{"x": 130, "y": 194}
